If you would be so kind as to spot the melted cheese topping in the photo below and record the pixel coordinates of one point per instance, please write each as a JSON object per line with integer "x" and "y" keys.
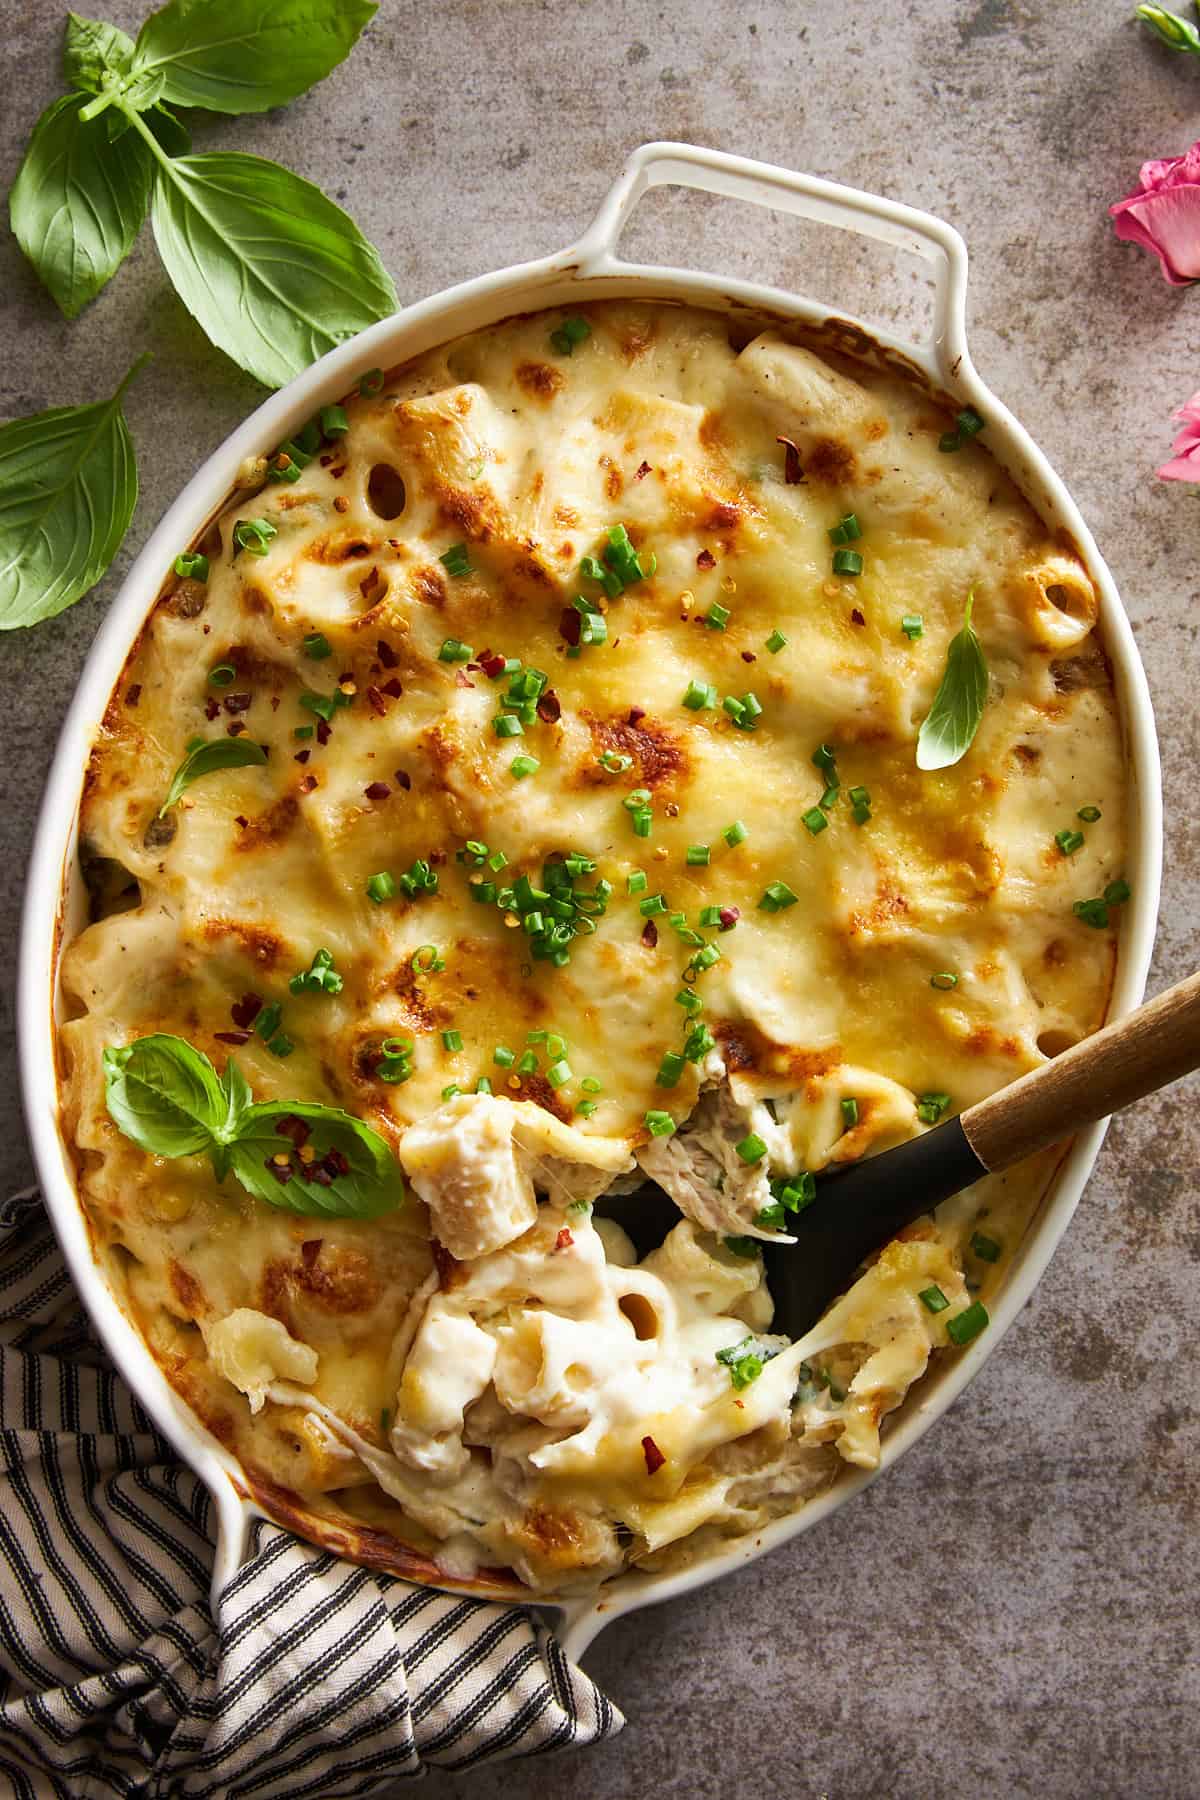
{"x": 500, "y": 1402}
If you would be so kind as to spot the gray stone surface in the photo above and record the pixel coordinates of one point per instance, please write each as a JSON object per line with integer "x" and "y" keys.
{"x": 1012, "y": 1610}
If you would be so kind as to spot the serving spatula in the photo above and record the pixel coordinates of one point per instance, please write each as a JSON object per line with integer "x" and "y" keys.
{"x": 860, "y": 1206}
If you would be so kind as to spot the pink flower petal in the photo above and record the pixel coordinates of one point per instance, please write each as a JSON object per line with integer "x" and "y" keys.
{"x": 1180, "y": 468}
{"x": 1168, "y": 223}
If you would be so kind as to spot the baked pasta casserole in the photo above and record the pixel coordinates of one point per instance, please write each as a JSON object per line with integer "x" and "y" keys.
{"x": 514, "y": 798}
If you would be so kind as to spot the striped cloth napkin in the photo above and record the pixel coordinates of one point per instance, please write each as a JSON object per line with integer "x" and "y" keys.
{"x": 317, "y": 1677}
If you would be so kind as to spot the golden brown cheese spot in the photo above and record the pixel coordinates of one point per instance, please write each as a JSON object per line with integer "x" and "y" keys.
{"x": 830, "y": 462}
{"x": 336, "y": 1278}
{"x": 338, "y": 547}
{"x": 552, "y": 1535}
{"x": 539, "y": 379}
{"x": 658, "y": 753}
{"x": 270, "y": 827}
{"x": 255, "y": 941}
{"x": 188, "y": 1292}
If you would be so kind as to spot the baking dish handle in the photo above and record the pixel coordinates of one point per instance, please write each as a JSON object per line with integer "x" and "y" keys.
{"x": 806, "y": 197}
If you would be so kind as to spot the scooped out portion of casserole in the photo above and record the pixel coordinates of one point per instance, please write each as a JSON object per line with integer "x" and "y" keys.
{"x": 514, "y": 798}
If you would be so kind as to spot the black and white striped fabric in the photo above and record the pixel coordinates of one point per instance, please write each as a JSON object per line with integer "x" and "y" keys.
{"x": 317, "y": 1678}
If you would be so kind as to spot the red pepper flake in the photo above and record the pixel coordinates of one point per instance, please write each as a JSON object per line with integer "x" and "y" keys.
{"x": 549, "y": 707}
{"x": 241, "y": 821}
{"x": 347, "y": 675}
{"x": 310, "y": 1249}
{"x": 654, "y": 1456}
{"x": 706, "y": 560}
{"x": 296, "y": 1130}
{"x": 317, "y": 1172}
{"x": 672, "y": 809}
{"x": 243, "y": 1012}
{"x": 856, "y": 618}
{"x": 237, "y": 703}
{"x": 749, "y": 656}
{"x": 134, "y": 694}
{"x": 636, "y": 715}
{"x": 335, "y": 1161}
{"x": 650, "y": 934}
{"x": 403, "y": 779}
{"x": 302, "y": 756}
{"x": 728, "y": 918}
{"x": 387, "y": 655}
{"x": 232, "y": 1037}
{"x": 643, "y": 469}
{"x": 569, "y": 624}
{"x": 393, "y": 688}
{"x": 338, "y": 472}
{"x": 378, "y": 790}
{"x": 323, "y": 731}
{"x": 307, "y": 783}
{"x": 792, "y": 471}
{"x": 393, "y": 543}
{"x": 236, "y": 729}
{"x": 340, "y": 502}
{"x": 460, "y": 680}
{"x": 436, "y": 858}
{"x": 327, "y": 459}
{"x": 564, "y": 1240}
{"x": 376, "y": 701}
{"x": 212, "y": 708}
{"x": 491, "y": 665}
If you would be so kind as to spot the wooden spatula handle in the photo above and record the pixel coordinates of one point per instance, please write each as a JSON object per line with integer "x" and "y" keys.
{"x": 1120, "y": 1064}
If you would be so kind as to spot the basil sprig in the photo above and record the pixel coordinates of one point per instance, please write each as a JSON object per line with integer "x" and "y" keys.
{"x": 953, "y": 719}
{"x": 169, "y": 1099}
{"x": 68, "y": 487}
{"x": 204, "y": 758}
{"x": 275, "y": 273}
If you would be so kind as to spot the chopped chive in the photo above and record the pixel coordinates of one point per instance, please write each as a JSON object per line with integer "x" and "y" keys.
{"x": 268, "y": 1021}
{"x": 698, "y": 1043}
{"x": 849, "y": 1113}
{"x": 521, "y": 766}
{"x": 1089, "y": 814}
{"x": 301, "y": 732}
{"x": 847, "y": 562}
{"x": 527, "y": 1063}
{"x": 450, "y": 1090}
{"x": 717, "y": 617}
{"x": 776, "y": 895}
{"x": 455, "y": 560}
{"x": 453, "y": 651}
{"x": 747, "y": 1247}
{"x": 654, "y": 903}
{"x": 691, "y": 1003}
{"x": 933, "y": 1299}
{"x": 282, "y": 1045}
{"x": 824, "y": 758}
{"x": 503, "y": 1057}
{"x": 370, "y": 383}
{"x": 590, "y": 1085}
{"x": 846, "y": 530}
{"x": 912, "y": 625}
{"x": 483, "y": 892}
{"x": 944, "y": 979}
{"x": 452, "y": 1040}
{"x": 506, "y": 725}
{"x": 483, "y": 1085}
{"x": 1117, "y": 893}
{"x": 815, "y": 819}
{"x": 381, "y": 887}
{"x": 636, "y": 883}
{"x": 1069, "y": 841}
{"x": 751, "y": 1149}
{"x": 967, "y": 1325}
{"x": 969, "y": 422}
{"x": 428, "y": 960}
{"x": 191, "y": 566}
{"x": 253, "y": 535}
{"x": 559, "y": 1073}
{"x": 572, "y": 331}
{"x": 699, "y": 696}
{"x": 222, "y": 675}
{"x": 615, "y": 761}
{"x": 735, "y": 834}
{"x": 317, "y": 646}
{"x": 497, "y": 860}
{"x": 642, "y": 820}
{"x": 698, "y": 855}
{"x": 670, "y": 1069}
{"x": 930, "y": 1107}
{"x": 985, "y": 1248}
{"x": 829, "y": 797}
{"x": 333, "y": 421}
{"x": 585, "y": 1108}
{"x": 776, "y": 642}
{"x": 658, "y": 1124}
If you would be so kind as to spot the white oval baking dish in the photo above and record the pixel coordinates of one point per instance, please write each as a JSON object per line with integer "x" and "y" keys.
{"x": 589, "y": 269}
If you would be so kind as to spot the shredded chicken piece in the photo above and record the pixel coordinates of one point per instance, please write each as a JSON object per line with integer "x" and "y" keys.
{"x": 700, "y": 1169}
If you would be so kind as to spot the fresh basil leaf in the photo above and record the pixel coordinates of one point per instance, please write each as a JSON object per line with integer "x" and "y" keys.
{"x": 275, "y": 273}
{"x": 91, "y": 50}
{"x": 238, "y": 1097}
{"x": 372, "y": 1183}
{"x": 205, "y": 759}
{"x": 68, "y": 487}
{"x": 164, "y": 1095}
{"x": 957, "y": 708}
{"x": 78, "y": 201}
{"x": 243, "y": 56}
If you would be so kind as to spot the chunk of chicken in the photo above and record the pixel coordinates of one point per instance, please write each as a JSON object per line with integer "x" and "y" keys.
{"x": 478, "y": 1161}
{"x": 700, "y": 1169}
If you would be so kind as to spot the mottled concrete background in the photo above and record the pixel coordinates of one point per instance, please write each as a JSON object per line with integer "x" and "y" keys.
{"x": 1012, "y": 1612}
